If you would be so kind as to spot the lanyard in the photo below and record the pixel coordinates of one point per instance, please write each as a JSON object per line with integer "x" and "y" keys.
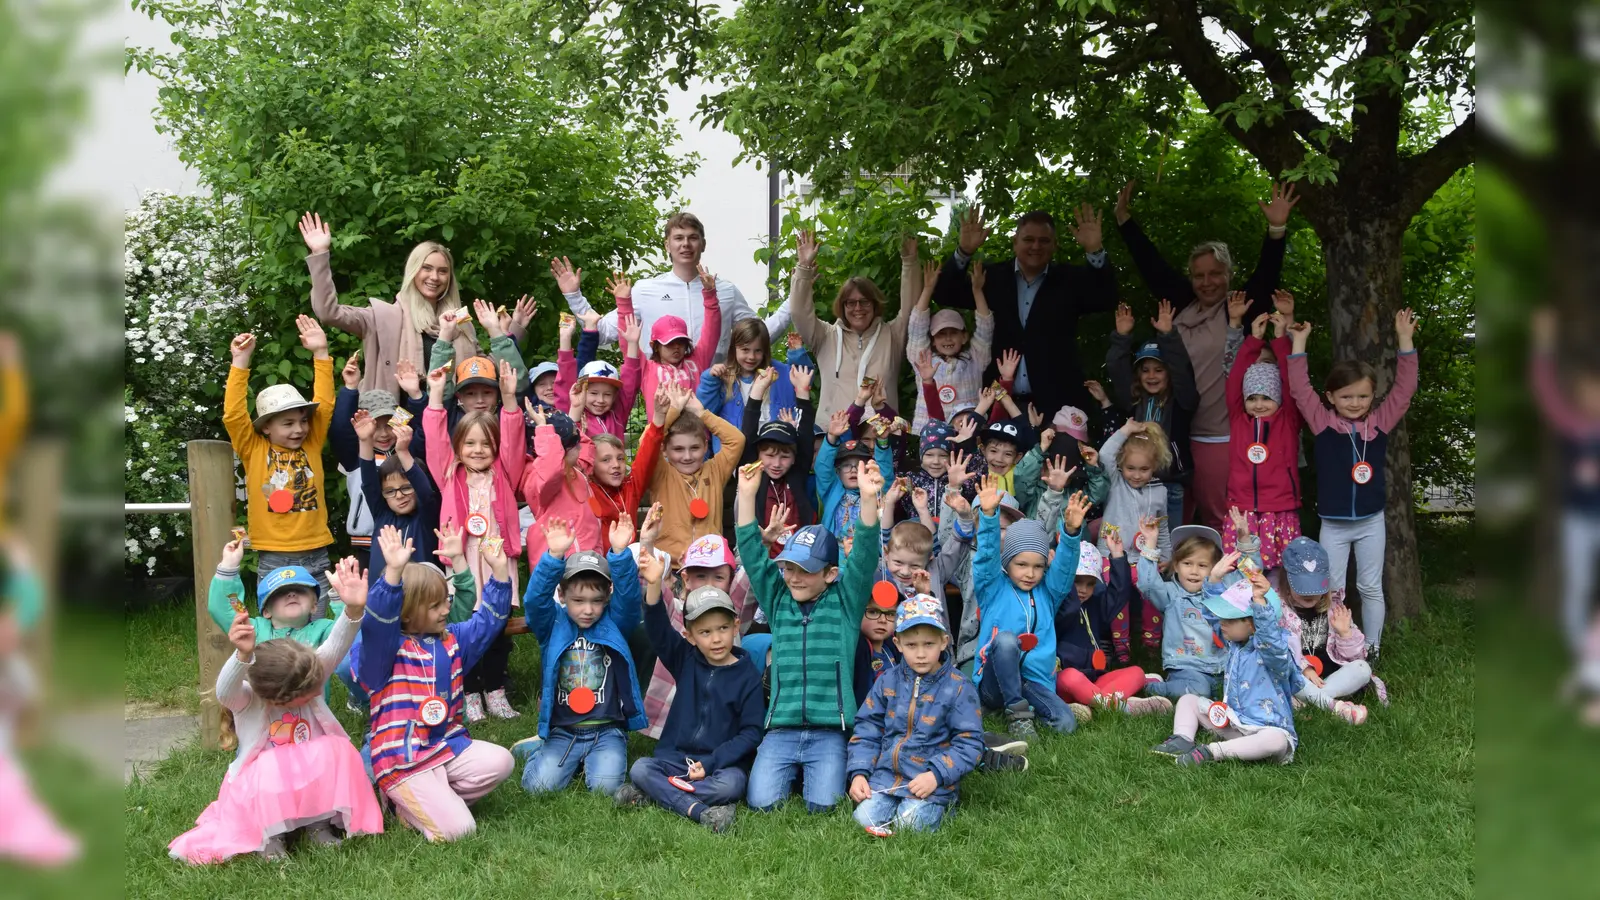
{"x": 1360, "y": 455}
{"x": 1030, "y": 609}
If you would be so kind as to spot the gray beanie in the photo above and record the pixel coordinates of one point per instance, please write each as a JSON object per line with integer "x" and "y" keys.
{"x": 1023, "y": 537}
{"x": 377, "y": 403}
{"x": 1263, "y": 379}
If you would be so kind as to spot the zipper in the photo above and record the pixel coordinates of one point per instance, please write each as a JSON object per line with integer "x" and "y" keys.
{"x": 838, "y": 689}
{"x": 805, "y": 670}
{"x": 911, "y": 722}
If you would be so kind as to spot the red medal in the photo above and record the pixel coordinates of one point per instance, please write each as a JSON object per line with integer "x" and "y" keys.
{"x": 433, "y": 711}
{"x": 1027, "y": 641}
{"x": 1256, "y": 453}
{"x": 699, "y": 508}
{"x": 1361, "y": 472}
{"x": 280, "y": 501}
{"x": 885, "y": 595}
{"x": 1316, "y": 664}
{"x": 947, "y": 394}
{"x": 581, "y": 701}
{"x": 682, "y": 784}
{"x": 1217, "y": 714}
{"x": 1097, "y": 659}
{"x": 477, "y": 525}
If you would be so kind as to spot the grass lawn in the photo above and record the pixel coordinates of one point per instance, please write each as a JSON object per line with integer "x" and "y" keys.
{"x": 1382, "y": 810}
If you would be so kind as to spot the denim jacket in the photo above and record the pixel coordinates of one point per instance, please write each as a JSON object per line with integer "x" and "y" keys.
{"x": 912, "y": 724}
{"x": 1261, "y": 677}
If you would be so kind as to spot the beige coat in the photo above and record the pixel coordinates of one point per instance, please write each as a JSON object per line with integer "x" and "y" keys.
{"x": 384, "y": 326}
{"x": 838, "y": 351}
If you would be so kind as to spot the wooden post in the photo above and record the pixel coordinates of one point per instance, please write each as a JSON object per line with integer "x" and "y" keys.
{"x": 38, "y": 526}
{"x": 211, "y": 486}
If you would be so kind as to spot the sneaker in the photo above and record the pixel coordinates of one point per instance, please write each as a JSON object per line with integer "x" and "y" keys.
{"x": 1177, "y": 745}
{"x": 1004, "y": 743}
{"x": 1195, "y": 757}
{"x": 474, "y": 708}
{"x": 274, "y": 850}
{"x": 996, "y": 761}
{"x": 1153, "y": 678}
{"x": 323, "y": 834}
{"x": 1354, "y": 713}
{"x": 717, "y": 818}
{"x": 1109, "y": 701}
{"x": 1381, "y": 689}
{"x": 1019, "y": 720}
{"x": 1372, "y": 656}
{"x": 499, "y": 706}
{"x": 1081, "y": 713}
{"x": 1147, "y": 706}
{"x": 630, "y": 797}
{"x": 524, "y": 750}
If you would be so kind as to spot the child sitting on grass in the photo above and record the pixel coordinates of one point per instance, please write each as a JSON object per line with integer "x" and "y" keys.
{"x": 1190, "y": 655}
{"x": 1328, "y": 647}
{"x": 1087, "y": 636}
{"x": 919, "y": 731}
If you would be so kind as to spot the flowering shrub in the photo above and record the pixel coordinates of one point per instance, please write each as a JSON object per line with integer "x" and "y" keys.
{"x": 183, "y": 300}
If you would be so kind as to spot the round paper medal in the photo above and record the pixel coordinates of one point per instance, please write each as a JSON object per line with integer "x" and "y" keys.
{"x": 1097, "y": 659}
{"x": 1315, "y": 662}
{"x": 1361, "y": 472}
{"x": 433, "y": 711}
{"x": 1027, "y": 641}
{"x": 280, "y": 501}
{"x": 682, "y": 784}
{"x": 1217, "y": 713}
{"x": 302, "y": 731}
{"x": 1138, "y": 541}
{"x": 878, "y": 831}
{"x": 699, "y": 508}
{"x": 1256, "y": 453}
{"x": 947, "y": 394}
{"x": 885, "y": 596}
{"x": 477, "y": 525}
{"x": 581, "y": 701}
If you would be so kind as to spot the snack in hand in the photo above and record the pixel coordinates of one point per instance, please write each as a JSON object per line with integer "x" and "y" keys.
{"x": 501, "y": 310}
{"x": 401, "y": 416}
{"x": 567, "y": 319}
{"x": 238, "y": 605}
{"x": 1247, "y": 566}
{"x": 869, "y": 382}
{"x": 493, "y": 544}
{"x": 239, "y": 534}
{"x": 749, "y": 468}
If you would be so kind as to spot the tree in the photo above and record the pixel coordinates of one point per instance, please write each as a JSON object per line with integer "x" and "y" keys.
{"x": 1357, "y": 102}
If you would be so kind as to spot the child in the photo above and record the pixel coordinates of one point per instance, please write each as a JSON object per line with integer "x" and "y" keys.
{"x": 957, "y": 366}
{"x": 1264, "y": 447}
{"x": 589, "y": 697}
{"x": 918, "y": 732}
{"x": 1353, "y": 437}
{"x": 1019, "y": 590}
{"x": 837, "y": 469}
{"x": 380, "y": 405}
{"x": 689, "y": 487}
{"x": 727, "y": 387}
{"x": 676, "y": 358}
{"x": 715, "y": 722}
{"x": 423, "y": 760}
{"x": 295, "y": 768}
{"x": 1087, "y": 634}
{"x": 608, "y": 395}
{"x": 1329, "y": 649}
{"x": 614, "y": 489}
{"x": 1190, "y": 655}
{"x": 814, "y": 608}
{"x": 399, "y": 492}
{"x": 287, "y": 505}
{"x": 542, "y": 384}
{"x": 935, "y": 443}
{"x": 1156, "y": 383}
{"x": 1138, "y": 451}
{"x": 286, "y": 596}
{"x": 785, "y": 459}
{"x": 446, "y": 352}
{"x": 1254, "y": 717}
{"x": 555, "y": 484}
{"x": 1005, "y": 443}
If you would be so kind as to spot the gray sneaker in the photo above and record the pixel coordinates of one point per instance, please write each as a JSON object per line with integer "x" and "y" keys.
{"x": 1004, "y": 743}
{"x": 717, "y": 818}
{"x": 274, "y": 850}
{"x": 1173, "y": 746}
{"x": 1198, "y": 756}
{"x": 323, "y": 834}
{"x": 629, "y": 796}
{"x": 1019, "y": 720}
{"x": 995, "y": 761}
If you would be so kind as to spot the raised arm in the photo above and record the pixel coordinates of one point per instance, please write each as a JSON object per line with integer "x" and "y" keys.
{"x": 325, "y": 304}
{"x": 812, "y": 330}
{"x": 705, "y": 346}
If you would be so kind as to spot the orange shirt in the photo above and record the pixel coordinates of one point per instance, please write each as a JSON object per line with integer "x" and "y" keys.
{"x": 269, "y": 468}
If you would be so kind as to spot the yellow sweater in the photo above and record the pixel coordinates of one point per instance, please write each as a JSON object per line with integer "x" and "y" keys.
{"x": 13, "y": 425}
{"x": 268, "y": 467}
{"x": 675, "y": 491}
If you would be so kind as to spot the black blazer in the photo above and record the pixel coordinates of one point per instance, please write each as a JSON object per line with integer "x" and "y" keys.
{"x": 1049, "y": 343}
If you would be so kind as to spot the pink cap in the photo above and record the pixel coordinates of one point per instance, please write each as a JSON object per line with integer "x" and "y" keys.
{"x": 708, "y": 552}
{"x": 946, "y": 318}
{"x": 668, "y": 329}
{"x": 1071, "y": 420}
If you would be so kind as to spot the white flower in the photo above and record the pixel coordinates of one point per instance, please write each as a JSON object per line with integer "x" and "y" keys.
{"x": 155, "y": 533}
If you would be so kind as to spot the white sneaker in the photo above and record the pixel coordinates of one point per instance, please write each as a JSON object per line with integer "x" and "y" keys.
{"x": 475, "y": 708}
{"x": 499, "y": 706}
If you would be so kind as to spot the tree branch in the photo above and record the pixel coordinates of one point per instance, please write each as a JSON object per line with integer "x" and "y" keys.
{"x": 1422, "y": 175}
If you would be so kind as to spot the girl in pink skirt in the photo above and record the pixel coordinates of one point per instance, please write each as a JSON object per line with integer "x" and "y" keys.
{"x": 1264, "y": 438}
{"x": 296, "y": 769}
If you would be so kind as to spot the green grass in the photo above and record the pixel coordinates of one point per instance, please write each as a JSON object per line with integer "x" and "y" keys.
{"x": 1383, "y": 810}
{"x": 160, "y": 661}
{"x": 86, "y": 804}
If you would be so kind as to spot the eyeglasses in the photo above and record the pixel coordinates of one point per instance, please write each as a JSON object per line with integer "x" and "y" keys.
{"x": 857, "y": 303}
{"x": 399, "y": 491}
{"x": 874, "y": 612}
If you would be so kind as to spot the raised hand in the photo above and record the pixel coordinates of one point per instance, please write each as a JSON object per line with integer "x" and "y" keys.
{"x": 1010, "y": 358}
{"x": 567, "y": 278}
{"x": 620, "y": 286}
{"x": 402, "y": 439}
{"x": 800, "y": 380}
{"x": 922, "y": 581}
{"x": 508, "y": 384}
{"x": 930, "y": 277}
{"x": 488, "y": 318}
{"x": 1121, "y": 211}
{"x": 956, "y": 470}
{"x": 1131, "y": 426}
{"x": 869, "y": 479}
{"x": 350, "y": 581}
{"x": 651, "y": 529}
{"x": 232, "y": 554}
{"x": 925, "y": 368}
{"x": 1238, "y": 305}
{"x": 395, "y": 547}
{"x": 720, "y": 372}
{"x": 590, "y": 320}
{"x": 969, "y": 426}
{"x": 621, "y": 531}
{"x": 312, "y": 337}
{"x": 1035, "y": 418}
{"x": 1086, "y": 228}
{"x": 1283, "y": 302}
{"x": 897, "y": 489}
{"x": 989, "y": 494}
{"x": 452, "y": 540}
{"x": 1091, "y": 456}
{"x": 1150, "y": 530}
{"x": 1405, "y": 328}
{"x": 805, "y": 248}
{"x": 838, "y": 423}
{"x": 436, "y": 385}
{"x": 1258, "y": 328}
{"x": 777, "y": 530}
{"x": 1114, "y": 542}
{"x": 536, "y": 414}
{"x": 1339, "y": 620}
{"x": 242, "y": 634}
{"x": 523, "y": 314}
{"x": 575, "y": 395}
{"x": 1241, "y": 524}
{"x": 1282, "y": 204}
{"x": 1124, "y": 319}
{"x": 707, "y": 279}
{"x": 651, "y": 569}
{"x": 494, "y": 553}
{"x": 1225, "y": 565}
{"x": 763, "y": 379}
{"x": 1057, "y": 473}
{"x": 557, "y": 536}
{"x": 789, "y": 417}
{"x": 1259, "y": 586}
{"x": 908, "y": 246}
{"x": 979, "y": 279}
{"x": 1279, "y": 324}
{"x": 1163, "y": 320}
{"x": 405, "y": 374}
{"x": 630, "y": 333}
{"x": 449, "y": 324}
{"x": 242, "y": 347}
{"x": 1077, "y": 509}
{"x": 1046, "y": 437}
{"x": 957, "y": 502}
{"x": 351, "y": 373}
{"x": 973, "y": 234}
{"x": 919, "y": 500}
{"x": 1299, "y": 333}
{"x": 316, "y": 233}
{"x": 364, "y": 425}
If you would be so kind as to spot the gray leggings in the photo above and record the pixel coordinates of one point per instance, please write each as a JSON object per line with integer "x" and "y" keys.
{"x": 1349, "y": 679}
{"x": 1367, "y": 536}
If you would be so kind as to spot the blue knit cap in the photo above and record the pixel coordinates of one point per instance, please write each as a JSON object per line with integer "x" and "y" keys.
{"x": 1023, "y": 537}
{"x": 936, "y": 435}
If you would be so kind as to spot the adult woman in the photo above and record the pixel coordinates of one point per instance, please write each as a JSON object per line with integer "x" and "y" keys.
{"x": 858, "y": 344}
{"x": 403, "y": 329}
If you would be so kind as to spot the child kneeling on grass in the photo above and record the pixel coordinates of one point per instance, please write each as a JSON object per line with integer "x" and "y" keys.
{"x": 1255, "y": 717}
{"x": 919, "y": 731}
{"x": 714, "y": 723}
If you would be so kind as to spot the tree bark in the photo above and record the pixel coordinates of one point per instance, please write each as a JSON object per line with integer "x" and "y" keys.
{"x": 1366, "y": 288}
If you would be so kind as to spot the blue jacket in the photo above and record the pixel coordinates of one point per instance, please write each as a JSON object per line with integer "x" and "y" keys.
{"x": 716, "y": 712}
{"x": 730, "y": 404}
{"x": 555, "y": 630}
{"x": 1194, "y": 643}
{"x": 832, "y": 490}
{"x": 1081, "y": 628}
{"x": 1002, "y": 606}
{"x": 912, "y": 724}
{"x": 1260, "y": 678}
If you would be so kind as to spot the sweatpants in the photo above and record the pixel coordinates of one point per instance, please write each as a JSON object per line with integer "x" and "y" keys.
{"x": 435, "y": 802}
{"x": 1367, "y": 536}
{"x": 1267, "y": 743}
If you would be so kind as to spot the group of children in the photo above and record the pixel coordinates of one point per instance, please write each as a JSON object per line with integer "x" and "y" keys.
{"x": 847, "y": 627}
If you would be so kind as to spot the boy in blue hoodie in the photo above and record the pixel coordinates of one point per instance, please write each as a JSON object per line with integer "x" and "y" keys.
{"x": 590, "y": 696}
{"x": 699, "y": 769}
{"x": 919, "y": 730}
{"x": 1019, "y": 590}
{"x": 835, "y": 468}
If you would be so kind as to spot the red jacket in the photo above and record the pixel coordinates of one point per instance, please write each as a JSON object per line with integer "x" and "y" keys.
{"x": 609, "y": 503}
{"x": 1272, "y": 485}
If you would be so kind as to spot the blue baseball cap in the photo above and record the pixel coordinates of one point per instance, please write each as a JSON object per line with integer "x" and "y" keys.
{"x": 541, "y": 370}
{"x": 1306, "y": 563}
{"x": 1151, "y": 350}
{"x": 812, "y": 548}
{"x": 923, "y": 609}
{"x": 284, "y": 577}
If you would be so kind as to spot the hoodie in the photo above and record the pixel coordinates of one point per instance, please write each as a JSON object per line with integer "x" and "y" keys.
{"x": 1002, "y": 606}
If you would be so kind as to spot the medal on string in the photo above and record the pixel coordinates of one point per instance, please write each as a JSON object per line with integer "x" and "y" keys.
{"x": 1362, "y": 471}
{"x": 1217, "y": 714}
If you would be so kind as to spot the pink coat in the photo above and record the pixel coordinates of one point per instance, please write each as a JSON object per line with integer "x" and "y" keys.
{"x": 686, "y": 373}
{"x": 1272, "y": 486}
{"x": 613, "y": 422}
{"x": 450, "y": 476}
{"x": 553, "y": 492}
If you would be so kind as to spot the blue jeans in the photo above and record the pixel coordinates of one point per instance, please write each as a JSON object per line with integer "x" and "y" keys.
{"x": 358, "y": 694}
{"x": 899, "y": 812}
{"x": 1174, "y": 503}
{"x": 313, "y": 561}
{"x": 757, "y": 646}
{"x": 1185, "y": 681}
{"x": 721, "y": 788}
{"x": 603, "y": 753}
{"x": 1002, "y": 684}
{"x": 816, "y": 754}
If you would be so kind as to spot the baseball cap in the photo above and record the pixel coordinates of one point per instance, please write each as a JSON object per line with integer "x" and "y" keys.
{"x": 603, "y": 372}
{"x": 1235, "y": 601}
{"x": 704, "y": 599}
{"x": 923, "y": 609}
{"x": 541, "y": 370}
{"x": 812, "y": 548}
{"x": 477, "y": 370}
{"x": 279, "y": 398}
{"x": 708, "y": 552}
{"x": 1089, "y": 562}
{"x": 1184, "y": 532}
{"x": 1306, "y": 563}
{"x": 284, "y": 577}
{"x": 1151, "y": 350}
{"x": 378, "y": 403}
{"x": 1071, "y": 420}
{"x": 777, "y": 432}
{"x": 585, "y": 561}
{"x": 946, "y": 318}
{"x": 852, "y": 450}
{"x": 668, "y": 329}
{"x": 1008, "y": 504}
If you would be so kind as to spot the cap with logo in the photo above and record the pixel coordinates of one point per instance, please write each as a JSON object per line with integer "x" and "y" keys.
{"x": 477, "y": 370}
{"x": 812, "y": 548}
{"x": 923, "y": 609}
{"x": 1071, "y": 420}
{"x": 1151, "y": 350}
{"x": 1306, "y": 563}
{"x": 282, "y": 578}
{"x": 704, "y": 599}
{"x": 708, "y": 552}
{"x": 853, "y": 450}
{"x": 585, "y": 561}
{"x": 1089, "y": 561}
{"x": 777, "y": 432}
{"x": 603, "y": 372}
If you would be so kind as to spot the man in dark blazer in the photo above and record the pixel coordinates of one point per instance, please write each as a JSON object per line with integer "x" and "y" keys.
{"x": 1036, "y": 302}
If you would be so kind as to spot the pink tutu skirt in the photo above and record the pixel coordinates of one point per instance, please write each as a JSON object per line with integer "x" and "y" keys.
{"x": 285, "y": 788}
{"x": 1275, "y": 529}
{"x": 28, "y": 833}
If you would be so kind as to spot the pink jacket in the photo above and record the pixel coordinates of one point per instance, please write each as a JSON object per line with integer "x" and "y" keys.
{"x": 613, "y": 422}
{"x": 686, "y": 373}
{"x": 1342, "y": 650}
{"x": 552, "y": 492}
{"x": 1274, "y": 484}
{"x": 449, "y": 475}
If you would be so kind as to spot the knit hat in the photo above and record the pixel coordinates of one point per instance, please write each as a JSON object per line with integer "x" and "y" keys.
{"x": 565, "y": 429}
{"x": 1263, "y": 379}
{"x": 378, "y": 403}
{"x": 946, "y": 318}
{"x": 1089, "y": 561}
{"x": 936, "y": 435}
{"x": 1014, "y": 431}
{"x": 1026, "y": 536}
{"x": 1071, "y": 420}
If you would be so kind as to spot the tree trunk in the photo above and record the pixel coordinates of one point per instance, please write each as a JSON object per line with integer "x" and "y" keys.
{"x": 1365, "y": 289}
